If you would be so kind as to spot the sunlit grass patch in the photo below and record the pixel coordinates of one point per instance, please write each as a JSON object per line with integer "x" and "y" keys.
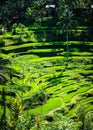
{"x": 49, "y": 106}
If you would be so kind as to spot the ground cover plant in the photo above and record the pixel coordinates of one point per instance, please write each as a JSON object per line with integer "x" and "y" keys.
{"x": 44, "y": 89}
{"x": 46, "y": 75}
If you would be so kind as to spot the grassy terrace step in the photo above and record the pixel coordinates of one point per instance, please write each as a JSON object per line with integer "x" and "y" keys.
{"x": 44, "y": 61}
{"x": 51, "y": 61}
{"x": 32, "y": 47}
{"x": 69, "y": 89}
{"x": 80, "y": 54}
{"x": 52, "y": 85}
{"x": 60, "y": 104}
{"x": 87, "y": 100}
{"x": 32, "y": 59}
{"x": 44, "y": 66}
{"x": 48, "y": 44}
{"x": 56, "y": 60}
{"x": 45, "y": 50}
{"x": 50, "y": 105}
{"x": 44, "y": 80}
{"x": 79, "y": 91}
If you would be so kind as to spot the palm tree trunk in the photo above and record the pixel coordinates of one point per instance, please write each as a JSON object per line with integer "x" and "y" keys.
{"x": 67, "y": 54}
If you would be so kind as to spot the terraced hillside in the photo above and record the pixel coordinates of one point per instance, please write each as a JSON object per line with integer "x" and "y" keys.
{"x": 49, "y": 85}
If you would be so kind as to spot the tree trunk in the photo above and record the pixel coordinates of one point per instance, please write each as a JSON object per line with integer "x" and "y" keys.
{"x": 67, "y": 54}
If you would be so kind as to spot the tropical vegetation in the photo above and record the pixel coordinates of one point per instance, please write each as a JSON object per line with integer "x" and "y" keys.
{"x": 46, "y": 65}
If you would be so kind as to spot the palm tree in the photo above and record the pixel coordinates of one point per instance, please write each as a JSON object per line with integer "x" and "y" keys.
{"x": 77, "y": 3}
{"x": 67, "y": 22}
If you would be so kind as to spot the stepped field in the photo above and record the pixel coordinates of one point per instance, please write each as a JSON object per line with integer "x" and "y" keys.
{"x": 49, "y": 84}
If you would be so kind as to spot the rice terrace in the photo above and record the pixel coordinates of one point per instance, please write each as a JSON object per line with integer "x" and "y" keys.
{"x": 46, "y": 65}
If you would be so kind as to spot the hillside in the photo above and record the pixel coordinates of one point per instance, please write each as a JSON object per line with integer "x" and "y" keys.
{"x": 47, "y": 84}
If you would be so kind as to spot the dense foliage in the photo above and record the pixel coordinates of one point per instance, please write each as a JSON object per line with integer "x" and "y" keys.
{"x": 12, "y": 11}
{"x": 46, "y": 65}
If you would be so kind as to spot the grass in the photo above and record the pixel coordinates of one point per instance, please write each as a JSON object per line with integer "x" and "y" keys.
{"x": 65, "y": 86}
{"x": 49, "y": 106}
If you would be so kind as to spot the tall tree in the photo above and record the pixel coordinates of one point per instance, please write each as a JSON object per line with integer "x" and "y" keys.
{"x": 66, "y": 21}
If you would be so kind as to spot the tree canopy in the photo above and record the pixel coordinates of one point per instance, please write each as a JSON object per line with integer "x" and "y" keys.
{"x": 13, "y": 11}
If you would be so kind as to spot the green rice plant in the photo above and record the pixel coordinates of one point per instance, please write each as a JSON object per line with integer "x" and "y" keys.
{"x": 48, "y": 86}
